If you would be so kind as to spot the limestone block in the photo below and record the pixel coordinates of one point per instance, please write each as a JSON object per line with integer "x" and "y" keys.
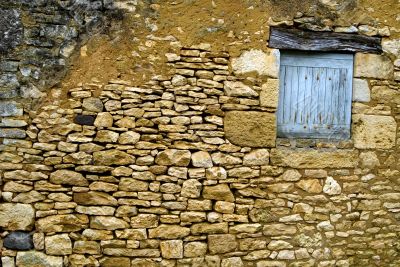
{"x": 238, "y": 89}
{"x": 107, "y": 223}
{"x": 10, "y": 108}
{"x": 95, "y": 198}
{"x": 372, "y": 66}
{"x": 68, "y": 177}
{"x": 202, "y": 159}
{"x": 25, "y": 259}
{"x": 58, "y": 245}
{"x": 385, "y": 95}
{"x": 250, "y": 128}
{"x": 312, "y": 158}
{"x": 279, "y": 229}
{"x": 361, "y": 92}
{"x": 332, "y": 187}
{"x": 270, "y": 93}
{"x": 218, "y": 192}
{"x": 16, "y": 216}
{"x": 169, "y": 232}
{"x": 191, "y": 188}
{"x": 369, "y": 160}
{"x": 62, "y": 223}
{"x": 263, "y": 63}
{"x": 374, "y": 132}
{"x": 173, "y": 157}
{"x": 104, "y": 119}
{"x": 310, "y": 185}
{"x": 195, "y": 249}
{"x": 129, "y": 138}
{"x": 172, "y": 249}
{"x": 93, "y": 104}
{"x": 223, "y": 243}
{"x": 112, "y": 157}
{"x": 256, "y": 157}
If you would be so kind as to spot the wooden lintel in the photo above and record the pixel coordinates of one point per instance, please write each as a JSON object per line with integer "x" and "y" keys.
{"x": 294, "y": 39}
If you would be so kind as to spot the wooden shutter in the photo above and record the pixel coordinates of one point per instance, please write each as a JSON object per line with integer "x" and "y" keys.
{"x": 315, "y": 95}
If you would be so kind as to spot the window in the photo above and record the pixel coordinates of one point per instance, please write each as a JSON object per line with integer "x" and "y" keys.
{"x": 315, "y": 95}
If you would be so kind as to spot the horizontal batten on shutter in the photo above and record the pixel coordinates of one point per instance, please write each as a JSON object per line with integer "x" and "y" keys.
{"x": 315, "y": 96}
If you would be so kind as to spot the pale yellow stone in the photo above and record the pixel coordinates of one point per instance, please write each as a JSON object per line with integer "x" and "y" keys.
{"x": 58, "y": 245}
{"x": 172, "y": 249}
{"x": 372, "y": 66}
{"x": 250, "y": 128}
{"x": 312, "y": 158}
{"x": 374, "y": 132}
{"x": 269, "y": 93}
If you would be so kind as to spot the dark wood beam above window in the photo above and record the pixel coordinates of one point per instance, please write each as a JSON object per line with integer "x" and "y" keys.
{"x": 294, "y": 39}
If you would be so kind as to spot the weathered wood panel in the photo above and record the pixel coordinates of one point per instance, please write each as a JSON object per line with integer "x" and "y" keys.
{"x": 294, "y": 39}
{"x": 315, "y": 95}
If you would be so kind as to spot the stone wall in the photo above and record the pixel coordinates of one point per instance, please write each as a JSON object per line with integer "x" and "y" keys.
{"x": 185, "y": 168}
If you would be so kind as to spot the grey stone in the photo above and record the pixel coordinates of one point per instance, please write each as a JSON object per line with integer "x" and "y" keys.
{"x": 18, "y": 241}
{"x": 11, "y": 29}
{"x": 93, "y": 104}
{"x": 12, "y": 133}
{"x": 35, "y": 258}
{"x": 10, "y": 108}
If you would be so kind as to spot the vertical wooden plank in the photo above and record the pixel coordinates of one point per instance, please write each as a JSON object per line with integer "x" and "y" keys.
{"x": 282, "y": 85}
{"x": 294, "y": 94}
{"x": 288, "y": 84}
{"x": 300, "y": 95}
{"x": 335, "y": 90}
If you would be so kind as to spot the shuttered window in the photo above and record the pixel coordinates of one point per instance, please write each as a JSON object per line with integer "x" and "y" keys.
{"x": 315, "y": 95}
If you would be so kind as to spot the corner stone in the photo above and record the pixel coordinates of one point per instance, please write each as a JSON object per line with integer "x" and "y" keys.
{"x": 372, "y": 66}
{"x": 250, "y": 128}
{"x": 374, "y": 132}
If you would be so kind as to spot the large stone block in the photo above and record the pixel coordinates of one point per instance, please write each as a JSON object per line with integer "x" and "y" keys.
{"x": 263, "y": 63}
{"x": 373, "y": 66}
{"x": 35, "y": 258}
{"x": 221, "y": 243}
{"x": 250, "y": 128}
{"x": 10, "y": 108}
{"x": 374, "y": 132}
{"x": 361, "y": 92}
{"x": 312, "y": 158}
{"x": 16, "y": 216}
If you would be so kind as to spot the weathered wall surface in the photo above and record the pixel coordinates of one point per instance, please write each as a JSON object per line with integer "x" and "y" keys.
{"x": 158, "y": 147}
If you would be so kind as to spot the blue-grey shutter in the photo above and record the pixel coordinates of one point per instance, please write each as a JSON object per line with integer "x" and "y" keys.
{"x": 315, "y": 95}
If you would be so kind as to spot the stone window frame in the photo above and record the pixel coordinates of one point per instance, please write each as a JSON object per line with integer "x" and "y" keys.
{"x": 289, "y": 39}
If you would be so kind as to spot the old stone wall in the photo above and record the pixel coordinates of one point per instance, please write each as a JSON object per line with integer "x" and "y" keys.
{"x": 177, "y": 162}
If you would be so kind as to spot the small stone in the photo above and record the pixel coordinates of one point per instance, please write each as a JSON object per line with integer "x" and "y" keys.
{"x": 232, "y": 262}
{"x": 18, "y": 241}
{"x": 112, "y": 157}
{"x": 216, "y": 173}
{"x": 256, "y": 157}
{"x": 25, "y": 259}
{"x": 104, "y": 119}
{"x": 84, "y": 120}
{"x": 86, "y": 247}
{"x": 169, "y": 232}
{"x": 279, "y": 229}
{"x": 218, "y": 192}
{"x": 238, "y": 89}
{"x": 10, "y": 108}
{"x": 195, "y": 249}
{"x": 178, "y": 80}
{"x": 58, "y": 245}
{"x": 224, "y": 243}
{"x": 92, "y": 104}
{"x": 129, "y": 138}
{"x": 173, "y": 157}
{"x": 369, "y": 160}
{"x": 331, "y": 187}
{"x": 191, "y": 188}
{"x": 95, "y": 198}
{"x": 107, "y": 223}
{"x": 126, "y": 122}
{"x": 310, "y": 185}
{"x": 202, "y": 159}
{"x": 62, "y": 223}
{"x": 291, "y": 176}
{"x": 172, "y": 249}
{"x": 68, "y": 177}
{"x": 106, "y": 136}
{"x": 16, "y": 216}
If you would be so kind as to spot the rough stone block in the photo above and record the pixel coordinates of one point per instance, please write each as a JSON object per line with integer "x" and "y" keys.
{"x": 373, "y": 66}
{"x": 374, "y": 132}
{"x": 312, "y": 158}
{"x": 263, "y": 63}
{"x": 361, "y": 92}
{"x": 270, "y": 93}
{"x": 18, "y": 241}
{"x": 16, "y": 216}
{"x": 250, "y": 128}
{"x": 172, "y": 249}
{"x": 85, "y": 120}
{"x": 221, "y": 243}
{"x": 25, "y": 259}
